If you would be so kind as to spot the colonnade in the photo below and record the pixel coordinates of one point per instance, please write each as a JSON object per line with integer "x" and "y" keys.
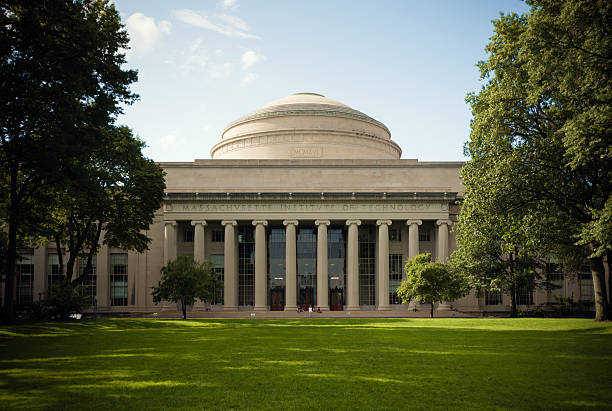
{"x": 352, "y": 259}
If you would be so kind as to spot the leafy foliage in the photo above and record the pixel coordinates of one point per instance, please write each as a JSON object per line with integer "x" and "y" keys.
{"x": 430, "y": 282}
{"x": 541, "y": 136}
{"x": 65, "y": 299}
{"x": 61, "y": 84}
{"x": 184, "y": 280}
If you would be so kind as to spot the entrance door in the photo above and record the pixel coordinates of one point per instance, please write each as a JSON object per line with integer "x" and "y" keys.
{"x": 278, "y": 299}
{"x": 335, "y": 300}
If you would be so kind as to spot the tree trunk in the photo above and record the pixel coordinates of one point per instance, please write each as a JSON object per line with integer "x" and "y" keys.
{"x": 9, "y": 282}
{"x": 599, "y": 288}
{"x": 184, "y": 308}
{"x": 11, "y": 253}
{"x": 431, "y": 310}
{"x": 93, "y": 250}
{"x": 513, "y": 310}
{"x": 609, "y": 264}
{"x": 60, "y": 256}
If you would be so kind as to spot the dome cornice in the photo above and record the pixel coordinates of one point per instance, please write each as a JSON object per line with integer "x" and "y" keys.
{"x": 305, "y": 110}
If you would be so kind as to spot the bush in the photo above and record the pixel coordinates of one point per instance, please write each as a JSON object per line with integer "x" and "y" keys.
{"x": 66, "y": 299}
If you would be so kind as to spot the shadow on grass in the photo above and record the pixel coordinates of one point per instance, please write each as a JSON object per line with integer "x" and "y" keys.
{"x": 297, "y": 364}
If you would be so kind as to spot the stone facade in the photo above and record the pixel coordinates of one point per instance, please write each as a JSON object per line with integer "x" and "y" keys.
{"x": 304, "y": 202}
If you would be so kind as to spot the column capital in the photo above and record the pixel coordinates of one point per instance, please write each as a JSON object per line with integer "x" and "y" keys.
{"x": 229, "y": 222}
{"x": 353, "y": 222}
{"x": 170, "y": 222}
{"x": 322, "y": 222}
{"x": 411, "y": 222}
{"x": 199, "y": 222}
{"x": 386, "y": 222}
{"x": 447, "y": 222}
{"x": 290, "y": 222}
{"x": 260, "y": 222}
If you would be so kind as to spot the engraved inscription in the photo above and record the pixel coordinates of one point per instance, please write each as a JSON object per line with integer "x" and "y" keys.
{"x": 306, "y": 152}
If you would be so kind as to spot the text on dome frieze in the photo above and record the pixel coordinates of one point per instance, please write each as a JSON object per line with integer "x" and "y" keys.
{"x": 332, "y": 207}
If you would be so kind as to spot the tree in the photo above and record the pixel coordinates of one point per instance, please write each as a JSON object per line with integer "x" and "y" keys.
{"x": 184, "y": 280}
{"x": 541, "y": 130}
{"x": 430, "y": 282}
{"x": 116, "y": 191}
{"x": 493, "y": 253}
{"x": 61, "y": 81}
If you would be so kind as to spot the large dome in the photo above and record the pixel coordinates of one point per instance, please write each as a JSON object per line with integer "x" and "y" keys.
{"x": 306, "y": 125}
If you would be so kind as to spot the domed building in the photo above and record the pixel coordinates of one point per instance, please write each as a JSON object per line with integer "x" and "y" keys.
{"x": 305, "y": 202}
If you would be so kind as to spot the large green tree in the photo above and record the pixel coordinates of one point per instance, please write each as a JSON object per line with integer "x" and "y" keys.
{"x": 61, "y": 82}
{"x": 184, "y": 280}
{"x": 542, "y": 129}
{"x": 432, "y": 282}
{"x": 115, "y": 191}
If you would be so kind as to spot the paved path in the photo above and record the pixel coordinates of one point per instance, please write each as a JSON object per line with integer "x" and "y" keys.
{"x": 327, "y": 314}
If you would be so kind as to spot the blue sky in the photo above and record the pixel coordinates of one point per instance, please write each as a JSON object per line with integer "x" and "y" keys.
{"x": 408, "y": 64}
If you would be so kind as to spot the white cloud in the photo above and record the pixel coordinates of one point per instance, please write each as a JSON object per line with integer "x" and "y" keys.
{"x": 171, "y": 141}
{"x": 144, "y": 33}
{"x": 229, "y": 4}
{"x": 226, "y": 25}
{"x": 195, "y": 57}
{"x": 248, "y": 78}
{"x": 250, "y": 58}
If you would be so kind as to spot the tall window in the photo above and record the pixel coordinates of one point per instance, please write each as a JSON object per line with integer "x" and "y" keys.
{"x": 25, "y": 280}
{"x": 395, "y": 277}
{"x": 188, "y": 235}
{"x": 493, "y": 298}
{"x": 119, "y": 279}
{"x": 425, "y": 234}
{"x": 276, "y": 268}
{"x": 306, "y": 266}
{"x": 218, "y": 235}
{"x": 54, "y": 275}
{"x": 525, "y": 297}
{"x": 246, "y": 265}
{"x": 367, "y": 266}
{"x": 218, "y": 268}
{"x": 587, "y": 294}
{"x": 554, "y": 272}
{"x": 395, "y": 234}
{"x": 336, "y": 266}
{"x": 89, "y": 283}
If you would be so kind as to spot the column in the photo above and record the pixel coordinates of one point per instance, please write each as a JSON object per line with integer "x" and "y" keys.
{"x": 291, "y": 265}
{"x": 103, "y": 277}
{"x": 230, "y": 270}
{"x": 39, "y": 285}
{"x": 261, "y": 266}
{"x": 198, "y": 240}
{"x": 413, "y": 237}
{"x": 169, "y": 241}
{"x": 383, "y": 265}
{"x": 442, "y": 252}
{"x": 352, "y": 265}
{"x": 322, "y": 266}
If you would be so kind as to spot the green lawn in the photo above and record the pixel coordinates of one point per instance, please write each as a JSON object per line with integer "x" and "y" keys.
{"x": 307, "y": 364}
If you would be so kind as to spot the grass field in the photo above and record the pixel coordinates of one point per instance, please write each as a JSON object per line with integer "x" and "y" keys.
{"x": 307, "y": 364}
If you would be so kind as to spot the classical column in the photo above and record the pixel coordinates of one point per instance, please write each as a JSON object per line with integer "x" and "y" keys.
{"x": 413, "y": 237}
{"x": 383, "y": 264}
{"x": 291, "y": 265}
{"x": 352, "y": 265}
{"x": 230, "y": 270}
{"x": 198, "y": 240}
{"x": 261, "y": 266}
{"x": 322, "y": 267}
{"x": 442, "y": 252}
{"x": 169, "y": 241}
